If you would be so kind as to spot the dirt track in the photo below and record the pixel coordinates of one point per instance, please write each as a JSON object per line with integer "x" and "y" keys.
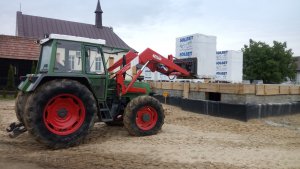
{"x": 187, "y": 141}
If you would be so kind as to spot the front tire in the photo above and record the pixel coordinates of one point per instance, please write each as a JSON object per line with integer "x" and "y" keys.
{"x": 144, "y": 116}
{"x": 60, "y": 113}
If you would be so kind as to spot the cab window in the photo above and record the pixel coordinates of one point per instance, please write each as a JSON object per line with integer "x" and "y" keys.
{"x": 68, "y": 57}
{"x": 94, "y": 63}
{"x": 45, "y": 57}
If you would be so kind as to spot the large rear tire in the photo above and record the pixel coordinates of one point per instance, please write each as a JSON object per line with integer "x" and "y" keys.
{"x": 144, "y": 116}
{"x": 60, "y": 113}
{"x": 20, "y": 105}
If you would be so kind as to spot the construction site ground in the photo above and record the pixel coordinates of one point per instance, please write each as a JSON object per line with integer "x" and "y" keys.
{"x": 187, "y": 140}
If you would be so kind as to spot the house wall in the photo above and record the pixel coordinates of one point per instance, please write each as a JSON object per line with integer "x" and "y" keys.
{"x": 113, "y": 58}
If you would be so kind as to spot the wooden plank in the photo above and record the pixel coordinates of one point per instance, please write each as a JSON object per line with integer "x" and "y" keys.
{"x": 209, "y": 87}
{"x": 166, "y": 85}
{"x": 229, "y": 88}
{"x": 260, "y": 90}
{"x": 272, "y": 90}
{"x": 284, "y": 89}
{"x": 186, "y": 90}
{"x": 194, "y": 86}
{"x": 177, "y": 86}
{"x": 294, "y": 90}
{"x": 247, "y": 89}
{"x": 152, "y": 85}
{"x": 158, "y": 85}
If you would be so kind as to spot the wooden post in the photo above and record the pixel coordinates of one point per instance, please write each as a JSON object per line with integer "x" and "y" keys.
{"x": 186, "y": 90}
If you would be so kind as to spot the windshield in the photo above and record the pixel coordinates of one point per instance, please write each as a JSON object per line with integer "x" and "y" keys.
{"x": 68, "y": 57}
{"x": 45, "y": 58}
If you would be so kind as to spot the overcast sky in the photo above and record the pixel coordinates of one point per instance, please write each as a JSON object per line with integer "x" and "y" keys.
{"x": 157, "y": 23}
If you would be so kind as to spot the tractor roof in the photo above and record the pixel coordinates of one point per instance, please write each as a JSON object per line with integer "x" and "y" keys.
{"x": 73, "y": 38}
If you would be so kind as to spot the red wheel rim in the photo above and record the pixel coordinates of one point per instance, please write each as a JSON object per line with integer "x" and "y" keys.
{"x": 64, "y": 114}
{"x": 146, "y": 118}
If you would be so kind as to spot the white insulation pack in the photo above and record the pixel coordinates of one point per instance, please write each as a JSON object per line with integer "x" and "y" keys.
{"x": 203, "y": 48}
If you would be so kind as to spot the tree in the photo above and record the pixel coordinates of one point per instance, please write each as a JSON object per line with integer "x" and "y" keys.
{"x": 10, "y": 85}
{"x": 272, "y": 64}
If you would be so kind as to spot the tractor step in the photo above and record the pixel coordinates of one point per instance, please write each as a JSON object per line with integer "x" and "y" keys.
{"x": 107, "y": 114}
{"x": 15, "y": 129}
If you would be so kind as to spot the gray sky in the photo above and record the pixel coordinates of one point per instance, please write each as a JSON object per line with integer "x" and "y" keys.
{"x": 156, "y": 23}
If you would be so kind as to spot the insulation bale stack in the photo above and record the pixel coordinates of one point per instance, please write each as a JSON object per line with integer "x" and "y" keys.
{"x": 203, "y": 48}
{"x": 229, "y": 66}
{"x": 155, "y": 76}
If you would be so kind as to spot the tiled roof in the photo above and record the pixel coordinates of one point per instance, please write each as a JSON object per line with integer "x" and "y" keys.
{"x": 37, "y": 27}
{"x": 14, "y": 47}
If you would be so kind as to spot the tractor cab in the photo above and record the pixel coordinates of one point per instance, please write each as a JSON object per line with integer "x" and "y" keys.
{"x": 68, "y": 54}
{"x": 69, "y": 57}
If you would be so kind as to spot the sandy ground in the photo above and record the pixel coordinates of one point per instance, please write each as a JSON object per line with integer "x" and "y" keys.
{"x": 187, "y": 140}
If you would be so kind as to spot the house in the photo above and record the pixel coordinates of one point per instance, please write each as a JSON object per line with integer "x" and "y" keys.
{"x": 20, "y": 52}
{"x": 37, "y": 27}
{"x": 31, "y": 28}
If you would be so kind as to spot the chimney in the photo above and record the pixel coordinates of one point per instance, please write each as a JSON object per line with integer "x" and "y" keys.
{"x": 98, "y": 17}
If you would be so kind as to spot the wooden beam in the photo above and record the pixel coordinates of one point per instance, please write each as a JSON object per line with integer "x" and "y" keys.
{"x": 209, "y": 87}
{"x": 272, "y": 89}
{"x": 260, "y": 90}
{"x": 283, "y": 89}
{"x": 166, "y": 85}
{"x": 177, "y": 86}
{"x": 194, "y": 87}
{"x": 186, "y": 90}
{"x": 294, "y": 90}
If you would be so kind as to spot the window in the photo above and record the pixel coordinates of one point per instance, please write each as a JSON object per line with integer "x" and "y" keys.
{"x": 68, "y": 57}
{"x": 72, "y": 60}
{"x": 98, "y": 64}
{"x": 45, "y": 58}
{"x": 94, "y": 62}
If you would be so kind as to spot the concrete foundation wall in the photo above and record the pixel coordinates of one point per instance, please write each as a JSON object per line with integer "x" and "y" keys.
{"x": 233, "y": 98}
{"x": 242, "y": 112}
{"x": 236, "y": 101}
{"x": 254, "y": 99}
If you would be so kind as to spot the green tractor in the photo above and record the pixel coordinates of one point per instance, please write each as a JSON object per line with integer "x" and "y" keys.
{"x": 72, "y": 89}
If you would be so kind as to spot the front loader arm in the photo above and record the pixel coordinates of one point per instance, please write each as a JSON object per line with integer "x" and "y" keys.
{"x": 149, "y": 58}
